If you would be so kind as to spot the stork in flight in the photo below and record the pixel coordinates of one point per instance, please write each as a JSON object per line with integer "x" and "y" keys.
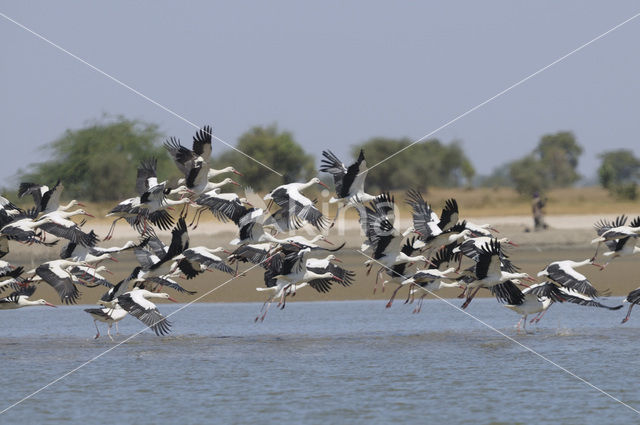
{"x": 20, "y": 298}
{"x": 348, "y": 181}
{"x": 290, "y": 198}
{"x": 136, "y": 303}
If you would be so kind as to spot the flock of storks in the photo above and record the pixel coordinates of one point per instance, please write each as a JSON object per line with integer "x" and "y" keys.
{"x": 266, "y": 238}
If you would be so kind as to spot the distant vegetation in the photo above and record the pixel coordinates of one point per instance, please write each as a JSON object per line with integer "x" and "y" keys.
{"x": 619, "y": 173}
{"x": 98, "y": 162}
{"x": 277, "y": 150}
{"x": 425, "y": 164}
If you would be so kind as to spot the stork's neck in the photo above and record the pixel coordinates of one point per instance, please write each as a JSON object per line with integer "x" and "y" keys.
{"x": 407, "y": 232}
{"x": 270, "y": 238}
{"x": 312, "y": 275}
{"x": 509, "y": 276}
{"x": 404, "y": 257}
{"x": 67, "y": 214}
{"x": 303, "y": 186}
{"x": 448, "y": 284}
{"x": 582, "y": 263}
{"x": 24, "y": 302}
{"x": 449, "y": 270}
{"x": 69, "y": 205}
{"x": 176, "y": 202}
{"x": 213, "y": 172}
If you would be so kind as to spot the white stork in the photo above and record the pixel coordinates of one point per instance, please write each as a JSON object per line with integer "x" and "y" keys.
{"x": 23, "y": 228}
{"x": 8, "y": 211}
{"x": 488, "y": 273}
{"x": 62, "y": 227}
{"x": 348, "y": 181}
{"x": 290, "y": 198}
{"x": 383, "y": 238}
{"x": 621, "y": 247}
{"x": 632, "y": 298}
{"x": 615, "y": 230}
{"x": 136, "y": 303}
{"x": 202, "y": 258}
{"x": 564, "y": 273}
{"x": 108, "y": 316}
{"x": 536, "y": 298}
{"x": 20, "y": 298}
{"x": 56, "y": 273}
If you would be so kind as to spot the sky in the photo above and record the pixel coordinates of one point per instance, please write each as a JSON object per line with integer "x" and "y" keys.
{"x": 333, "y": 73}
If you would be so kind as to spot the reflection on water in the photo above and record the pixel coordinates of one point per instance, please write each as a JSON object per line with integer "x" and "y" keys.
{"x": 334, "y": 362}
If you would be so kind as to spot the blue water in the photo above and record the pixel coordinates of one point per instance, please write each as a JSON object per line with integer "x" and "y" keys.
{"x": 323, "y": 362}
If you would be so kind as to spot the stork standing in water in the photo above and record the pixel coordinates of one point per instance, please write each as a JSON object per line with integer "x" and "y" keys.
{"x": 290, "y": 198}
{"x": 20, "y": 299}
{"x": 108, "y": 316}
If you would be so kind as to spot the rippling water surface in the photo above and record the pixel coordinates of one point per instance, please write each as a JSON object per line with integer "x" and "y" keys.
{"x": 323, "y": 362}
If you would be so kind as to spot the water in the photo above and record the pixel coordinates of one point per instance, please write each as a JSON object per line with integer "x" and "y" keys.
{"x": 323, "y": 362}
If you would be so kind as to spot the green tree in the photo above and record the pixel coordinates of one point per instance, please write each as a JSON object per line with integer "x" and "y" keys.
{"x": 277, "y": 150}
{"x": 424, "y": 164}
{"x": 552, "y": 163}
{"x": 559, "y": 154}
{"x": 99, "y": 162}
{"x": 619, "y": 172}
{"x": 528, "y": 175}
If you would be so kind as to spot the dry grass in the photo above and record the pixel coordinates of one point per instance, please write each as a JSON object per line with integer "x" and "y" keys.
{"x": 472, "y": 202}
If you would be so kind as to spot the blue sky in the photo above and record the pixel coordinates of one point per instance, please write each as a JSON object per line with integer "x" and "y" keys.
{"x": 333, "y": 73}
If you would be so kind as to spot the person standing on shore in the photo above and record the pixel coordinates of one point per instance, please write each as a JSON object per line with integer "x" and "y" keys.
{"x": 537, "y": 205}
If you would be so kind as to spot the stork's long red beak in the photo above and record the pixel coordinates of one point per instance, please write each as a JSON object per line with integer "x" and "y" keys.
{"x": 324, "y": 185}
{"x": 235, "y": 182}
{"x": 237, "y": 172}
{"x": 90, "y": 215}
{"x": 50, "y": 305}
{"x": 172, "y": 299}
{"x": 328, "y": 241}
{"x": 80, "y": 204}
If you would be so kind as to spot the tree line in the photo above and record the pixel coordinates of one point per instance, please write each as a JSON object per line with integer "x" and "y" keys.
{"x": 98, "y": 162}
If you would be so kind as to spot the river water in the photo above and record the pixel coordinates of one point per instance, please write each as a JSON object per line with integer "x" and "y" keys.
{"x": 323, "y": 362}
